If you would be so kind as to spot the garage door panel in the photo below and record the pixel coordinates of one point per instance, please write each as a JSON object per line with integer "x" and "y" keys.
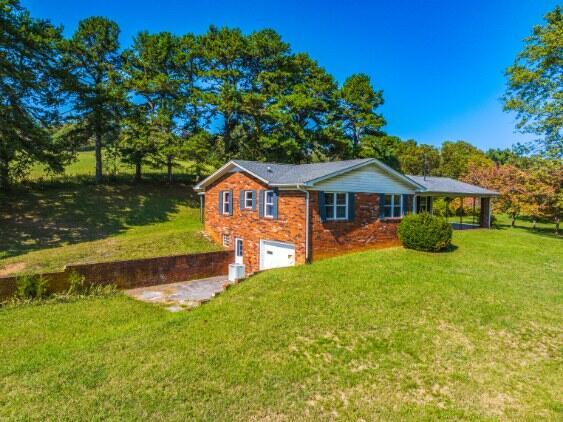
{"x": 276, "y": 254}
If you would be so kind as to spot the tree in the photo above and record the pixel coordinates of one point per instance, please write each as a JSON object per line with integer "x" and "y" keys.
{"x": 534, "y": 85}
{"x": 382, "y": 147}
{"x": 358, "y": 102}
{"x": 92, "y": 56}
{"x": 150, "y": 66}
{"x": 302, "y": 126}
{"x": 457, "y": 157}
{"x": 501, "y": 156}
{"x": 511, "y": 183}
{"x": 418, "y": 159}
{"x": 30, "y": 92}
{"x": 545, "y": 181}
{"x": 224, "y": 51}
{"x": 136, "y": 140}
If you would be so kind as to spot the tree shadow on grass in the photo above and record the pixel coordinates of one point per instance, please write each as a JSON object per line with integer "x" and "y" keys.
{"x": 72, "y": 213}
{"x": 538, "y": 231}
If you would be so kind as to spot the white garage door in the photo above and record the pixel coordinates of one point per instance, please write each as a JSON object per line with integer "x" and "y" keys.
{"x": 276, "y": 254}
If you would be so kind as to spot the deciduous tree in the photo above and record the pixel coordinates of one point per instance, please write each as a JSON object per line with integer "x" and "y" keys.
{"x": 534, "y": 87}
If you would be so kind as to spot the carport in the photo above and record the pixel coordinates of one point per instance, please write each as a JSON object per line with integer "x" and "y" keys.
{"x": 445, "y": 187}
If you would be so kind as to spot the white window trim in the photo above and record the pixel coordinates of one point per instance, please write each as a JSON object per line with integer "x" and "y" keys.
{"x": 226, "y": 240}
{"x": 334, "y": 206}
{"x": 248, "y": 197}
{"x": 226, "y": 194}
{"x": 266, "y": 204}
{"x": 392, "y": 205}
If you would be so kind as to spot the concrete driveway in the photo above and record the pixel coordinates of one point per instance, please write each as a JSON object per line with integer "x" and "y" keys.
{"x": 183, "y": 295}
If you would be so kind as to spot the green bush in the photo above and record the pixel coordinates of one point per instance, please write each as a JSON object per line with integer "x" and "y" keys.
{"x": 31, "y": 287}
{"x": 425, "y": 232}
{"x": 77, "y": 286}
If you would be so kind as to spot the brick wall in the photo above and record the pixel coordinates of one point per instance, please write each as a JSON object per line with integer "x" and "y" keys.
{"x": 331, "y": 238}
{"x": 289, "y": 227}
{"x": 138, "y": 272}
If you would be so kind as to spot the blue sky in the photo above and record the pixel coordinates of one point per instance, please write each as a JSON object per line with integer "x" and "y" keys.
{"x": 440, "y": 63}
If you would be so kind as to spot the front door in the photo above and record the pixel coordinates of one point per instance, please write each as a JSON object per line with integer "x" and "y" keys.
{"x": 238, "y": 251}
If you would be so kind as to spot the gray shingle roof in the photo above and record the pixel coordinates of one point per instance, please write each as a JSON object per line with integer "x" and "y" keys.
{"x": 279, "y": 174}
{"x": 295, "y": 174}
{"x": 445, "y": 185}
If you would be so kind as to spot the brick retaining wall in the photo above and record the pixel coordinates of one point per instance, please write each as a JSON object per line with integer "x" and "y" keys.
{"x": 136, "y": 273}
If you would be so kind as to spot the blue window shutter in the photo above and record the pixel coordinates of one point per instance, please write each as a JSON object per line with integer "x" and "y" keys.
{"x": 351, "y": 206}
{"x": 405, "y": 199}
{"x": 253, "y": 200}
{"x": 429, "y": 207}
{"x": 220, "y": 202}
{"x": 261, "y": 202}
{"x": 242, "y": 195}
{"x": 414, "y": 204}
{"x": 322, "y": 210}
{"x": 231, "y": 202}
{"x": 275, "y": 199}
{"x": 381, "y": 206}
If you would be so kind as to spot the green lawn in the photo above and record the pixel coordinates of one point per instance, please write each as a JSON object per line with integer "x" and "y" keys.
{"x": 475, "y": 333}
{"x": 84, "y": 168}
{"x": 44, "y": 229}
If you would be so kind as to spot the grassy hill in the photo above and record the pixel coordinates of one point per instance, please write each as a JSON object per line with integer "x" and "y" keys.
{"x": 44, "y": 229}
{"x": 392, "y": 334}
{"x": 53, "y": 220}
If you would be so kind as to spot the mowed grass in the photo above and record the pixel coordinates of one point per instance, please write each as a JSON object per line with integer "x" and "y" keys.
{"x": 85, "y": 164}
{"x": 475, "y": 333}
{"x": 53, "y": 220}
{"x": 45, "y": 228}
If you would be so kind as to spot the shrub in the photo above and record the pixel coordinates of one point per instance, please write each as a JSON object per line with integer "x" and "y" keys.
{"x": 77, "y": 286}
{"x": 425, "y": 232}
{"x": 31, "y": 287}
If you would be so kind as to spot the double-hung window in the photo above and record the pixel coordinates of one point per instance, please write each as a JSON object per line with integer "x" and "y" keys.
{"x": 336, "y": 205}
{"x": 226, "y": 202}
{"x": 423, "y": 204}
{"x": 248, "y": 199}
{"x": 269, "y": 203}
{"x": 393, "y": 206}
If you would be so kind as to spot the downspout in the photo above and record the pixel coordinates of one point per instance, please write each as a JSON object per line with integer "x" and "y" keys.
{"x": 201, "y": 205}
{"x": 300, "y": 188}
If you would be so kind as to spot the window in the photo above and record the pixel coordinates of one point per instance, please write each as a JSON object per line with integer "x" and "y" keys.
{"x": 239, "y": 247}
{"x": 226, "y": 240}
{"x": 393, "y": 206}
{"x": 226, "y": 202}
{"x": 336, "y": 205}
{"x": 269, "y": 203}
{"x": 248, "y": 199}
{"x": 423, "y": 204}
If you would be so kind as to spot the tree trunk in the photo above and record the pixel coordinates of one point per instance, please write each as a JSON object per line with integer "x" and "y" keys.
{"x": 557, "y": 221}
{"x": 98, "y": 158}
{"x": 169, "y": 167}
{"x": 137, "y": 171}
{"x": 4, "y": 176}
{"x": 513, "y": 223}
{"x": 534, "y": 223}
{"x": 355, "y": 142}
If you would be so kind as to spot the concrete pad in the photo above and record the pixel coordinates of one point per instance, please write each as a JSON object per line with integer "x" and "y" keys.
{"x": 182, "y": 295}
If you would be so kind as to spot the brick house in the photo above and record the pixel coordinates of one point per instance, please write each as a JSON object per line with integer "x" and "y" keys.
{"x": 277, "y": 215}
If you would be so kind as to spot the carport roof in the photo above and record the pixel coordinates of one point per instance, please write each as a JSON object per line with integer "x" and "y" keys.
{"x": 444, "y": 186}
